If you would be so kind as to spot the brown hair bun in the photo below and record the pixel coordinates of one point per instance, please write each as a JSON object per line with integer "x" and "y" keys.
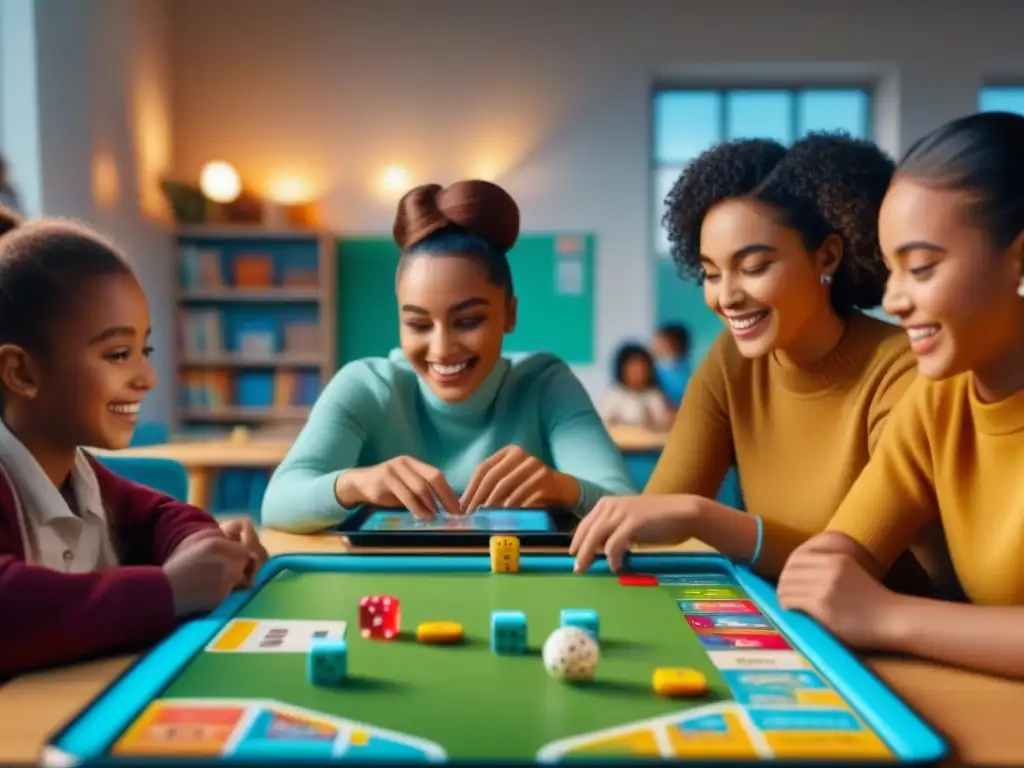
{"x": 478, "y": 207}
{"x": 9, "y": 220}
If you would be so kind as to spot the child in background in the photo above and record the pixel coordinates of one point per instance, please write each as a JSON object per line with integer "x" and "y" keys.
{"x": 636, "y": 400}
{"x": 672, "y": 361}
{"x": 89, "y": 562}
{"x": 952, "y": 230}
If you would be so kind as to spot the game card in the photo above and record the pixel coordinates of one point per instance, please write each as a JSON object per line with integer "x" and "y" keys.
{"x": 286, "y": 636}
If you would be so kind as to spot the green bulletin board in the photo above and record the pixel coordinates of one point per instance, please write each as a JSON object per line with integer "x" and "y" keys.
{"x": 554, "y": 282}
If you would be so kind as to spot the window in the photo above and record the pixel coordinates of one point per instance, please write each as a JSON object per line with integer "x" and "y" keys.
{"x": 1001, "y": 98}
{"x": 688, "y": 121}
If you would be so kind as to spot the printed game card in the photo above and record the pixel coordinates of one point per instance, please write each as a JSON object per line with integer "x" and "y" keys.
{"x": 287, "y": 636}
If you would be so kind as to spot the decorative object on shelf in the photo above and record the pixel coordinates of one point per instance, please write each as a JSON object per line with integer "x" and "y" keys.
{"x": 186, "y": 201}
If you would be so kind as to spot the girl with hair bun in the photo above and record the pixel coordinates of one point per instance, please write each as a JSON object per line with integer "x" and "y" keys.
{"x": 447, "y": 421}
{"x": 952, "y": 230}
{"x": 797, "y": 388}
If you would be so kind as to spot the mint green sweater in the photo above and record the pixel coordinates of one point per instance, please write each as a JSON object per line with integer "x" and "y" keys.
{"x": 377, "y": 409}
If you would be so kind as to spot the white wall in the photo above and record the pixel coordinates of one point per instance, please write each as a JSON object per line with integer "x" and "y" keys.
{"x": 548, "y": 97}
{"x": 104, "y": 137}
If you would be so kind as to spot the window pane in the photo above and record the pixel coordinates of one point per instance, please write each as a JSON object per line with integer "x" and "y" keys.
{"x": 685, "y": 124}
{"x": 833, "y": 110}
{"x": 760, "y": 115}
{"x": 664, "y": 178}
{"x": 1002, "y": 99}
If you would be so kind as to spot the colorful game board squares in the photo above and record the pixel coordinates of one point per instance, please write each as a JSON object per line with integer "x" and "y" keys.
{"x": 758, "y": 659}
{"x": 285, "y": 636}
{"x": 696, "y": 580}
{"x": 168, "y": 728}
{"x": 286, "y": 737}
{"x": 822, "y": 733}
{"x": 706, "y": 592}
{"x": 720, "y": 736}
{"x": 723, "y": 639}
{"x": 730, "y": 621}
{"x": 717, "y": 607}
{"x": 638, "y": 580}
{"x": 793, "y": 688}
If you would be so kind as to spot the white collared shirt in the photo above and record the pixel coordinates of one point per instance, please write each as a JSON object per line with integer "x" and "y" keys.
{"x": 54, "y": 535}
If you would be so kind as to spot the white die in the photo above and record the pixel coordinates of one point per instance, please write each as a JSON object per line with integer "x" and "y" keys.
{"x": 570, "y": 653}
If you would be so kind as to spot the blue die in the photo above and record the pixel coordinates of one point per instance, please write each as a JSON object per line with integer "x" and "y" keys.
{"x": 508, "y": 632}
{"x": 582, "y": 619}
{"x": 327, "y": 661}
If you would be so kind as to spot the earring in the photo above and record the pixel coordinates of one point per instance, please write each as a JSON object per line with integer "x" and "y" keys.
{"x": 826, "y": 279}
{"x": 1020, "y": 288}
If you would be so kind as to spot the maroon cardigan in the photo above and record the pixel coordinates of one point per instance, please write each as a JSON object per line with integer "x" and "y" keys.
{"x": 48, "y": 617}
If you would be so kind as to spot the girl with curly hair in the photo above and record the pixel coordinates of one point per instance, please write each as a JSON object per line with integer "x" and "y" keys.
{"x": 447, "y": 421}
{"x": 798, "y": 386}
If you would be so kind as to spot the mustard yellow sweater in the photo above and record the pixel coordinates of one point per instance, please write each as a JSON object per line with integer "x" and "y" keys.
{"x": 949, "y": 457}
{"x": 800, "y": 437}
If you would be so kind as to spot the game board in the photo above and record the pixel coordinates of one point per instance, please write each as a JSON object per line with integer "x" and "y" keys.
{"x": 233, "y": 687}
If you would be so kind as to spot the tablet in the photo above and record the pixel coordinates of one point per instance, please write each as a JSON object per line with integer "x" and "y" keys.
{"x": 373, "y": 526}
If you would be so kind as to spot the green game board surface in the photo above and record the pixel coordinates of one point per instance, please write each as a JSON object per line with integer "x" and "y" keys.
{"x": 466, "y": 697}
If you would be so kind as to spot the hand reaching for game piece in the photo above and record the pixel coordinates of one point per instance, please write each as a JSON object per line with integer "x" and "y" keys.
{"x": 837, "y": 590}
{"x": 203, "y": 571}
{"x": 513, "y": 478}
{"x": 400, "y": 482}
{"x": 242, "y": 530}
{"x": 617, "y": 522}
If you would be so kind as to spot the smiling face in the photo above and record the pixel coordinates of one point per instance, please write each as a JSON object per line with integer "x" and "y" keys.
{"x": 953, "y": 291}
{"x": 762, "y": 281}
{"x": 453, "y": 322}
{"x": 87, "y": 387}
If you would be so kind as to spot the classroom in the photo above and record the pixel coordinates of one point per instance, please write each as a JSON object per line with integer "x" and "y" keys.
{"x": 248, "y": 157}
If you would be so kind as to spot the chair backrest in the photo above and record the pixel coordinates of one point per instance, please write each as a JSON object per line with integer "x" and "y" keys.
{"x": 164, "y": 475}
{"x": 150, "y": 433}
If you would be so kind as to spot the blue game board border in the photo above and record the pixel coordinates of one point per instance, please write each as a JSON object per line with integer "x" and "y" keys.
{"x": 86, "y": 739}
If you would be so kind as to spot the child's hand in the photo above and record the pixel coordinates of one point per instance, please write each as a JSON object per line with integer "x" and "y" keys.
{"x": 203, "y": 571}
{"x": 617, "y": 522}
{"x": 839, "y": 592}
{"x": 242, "y": 530}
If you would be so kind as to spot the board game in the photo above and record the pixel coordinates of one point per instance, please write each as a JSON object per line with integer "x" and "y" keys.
{"x": 235, "y": 687}
{"x": 486, "y": 520}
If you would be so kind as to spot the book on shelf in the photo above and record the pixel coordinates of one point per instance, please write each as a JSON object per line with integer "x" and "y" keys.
{"x": 201, "y": 267}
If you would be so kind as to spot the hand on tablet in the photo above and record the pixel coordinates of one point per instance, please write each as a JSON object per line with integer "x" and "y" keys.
{"x": 400, "y": 482}
{"x": 513, "y": 478}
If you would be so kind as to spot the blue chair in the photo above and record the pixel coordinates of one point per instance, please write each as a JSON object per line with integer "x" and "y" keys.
{"x": 150, "y": 433}
{"x": 164, "y": 475}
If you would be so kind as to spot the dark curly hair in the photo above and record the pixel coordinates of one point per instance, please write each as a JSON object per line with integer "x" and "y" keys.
{"x": 824, "y": 184}
{"x": 627, "y": 352}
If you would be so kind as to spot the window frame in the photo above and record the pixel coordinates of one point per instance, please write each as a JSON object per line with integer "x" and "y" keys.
{"x": 722, "y": 88}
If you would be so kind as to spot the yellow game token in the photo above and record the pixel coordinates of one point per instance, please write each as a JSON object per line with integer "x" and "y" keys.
{"x": 678, "y": 681}
{"x": 437, "y": 632}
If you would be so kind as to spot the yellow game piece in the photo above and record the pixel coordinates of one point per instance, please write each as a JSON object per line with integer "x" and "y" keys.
{"x": 678, "y": 681}
{"x": 504, "y": 554}
{"x": 438, "y": 632}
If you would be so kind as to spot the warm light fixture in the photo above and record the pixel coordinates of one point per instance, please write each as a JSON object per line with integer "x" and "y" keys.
{"x": 289, "y": 190}
{"x": 220, "y": 182}
{"x": 395, "y": 179}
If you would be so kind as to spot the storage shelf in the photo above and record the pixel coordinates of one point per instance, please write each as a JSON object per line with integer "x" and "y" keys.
{"x": 236, "y": 360}
{"x": 232, "y": 413}
{"x": 282, "y": 294}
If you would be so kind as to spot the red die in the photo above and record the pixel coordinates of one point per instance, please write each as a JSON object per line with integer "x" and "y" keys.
{"x": 379, "y": 616}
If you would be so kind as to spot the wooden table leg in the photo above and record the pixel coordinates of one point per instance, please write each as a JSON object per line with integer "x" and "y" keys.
{"x": 199, "y": 487}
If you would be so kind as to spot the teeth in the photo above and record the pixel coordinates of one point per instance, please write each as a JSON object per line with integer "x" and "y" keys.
{"x": 922, "y": 332}
{"x": 739, "y": 323}
{"x": 124, "y": 408}
{"x": 450, "y": 370}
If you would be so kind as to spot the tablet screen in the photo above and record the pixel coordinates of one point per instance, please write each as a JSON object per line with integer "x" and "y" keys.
{"x": 483, "y": 520}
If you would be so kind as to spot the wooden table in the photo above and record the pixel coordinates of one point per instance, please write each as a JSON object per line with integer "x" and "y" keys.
{"x": 203, "y": 459}
{"x": 981, "y": 716}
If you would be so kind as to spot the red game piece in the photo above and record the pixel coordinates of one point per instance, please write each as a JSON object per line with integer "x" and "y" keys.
{"x": 379, "y": 616}
{"x": 638, "y": 580}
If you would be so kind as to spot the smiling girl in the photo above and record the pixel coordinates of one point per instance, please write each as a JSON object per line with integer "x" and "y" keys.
{"x": 952, "y": 228}
{"x": 797, "y": 389}
{"x": 448, "y": 421}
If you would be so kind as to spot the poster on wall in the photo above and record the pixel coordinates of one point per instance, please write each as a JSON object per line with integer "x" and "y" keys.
{"x": 569, "y": 266}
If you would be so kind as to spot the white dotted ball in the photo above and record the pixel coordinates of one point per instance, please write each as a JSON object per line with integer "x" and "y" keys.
{"x": 570, "y": 653}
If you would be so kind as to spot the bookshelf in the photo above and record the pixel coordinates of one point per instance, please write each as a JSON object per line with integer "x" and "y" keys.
{"x": 255, "y": 321}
